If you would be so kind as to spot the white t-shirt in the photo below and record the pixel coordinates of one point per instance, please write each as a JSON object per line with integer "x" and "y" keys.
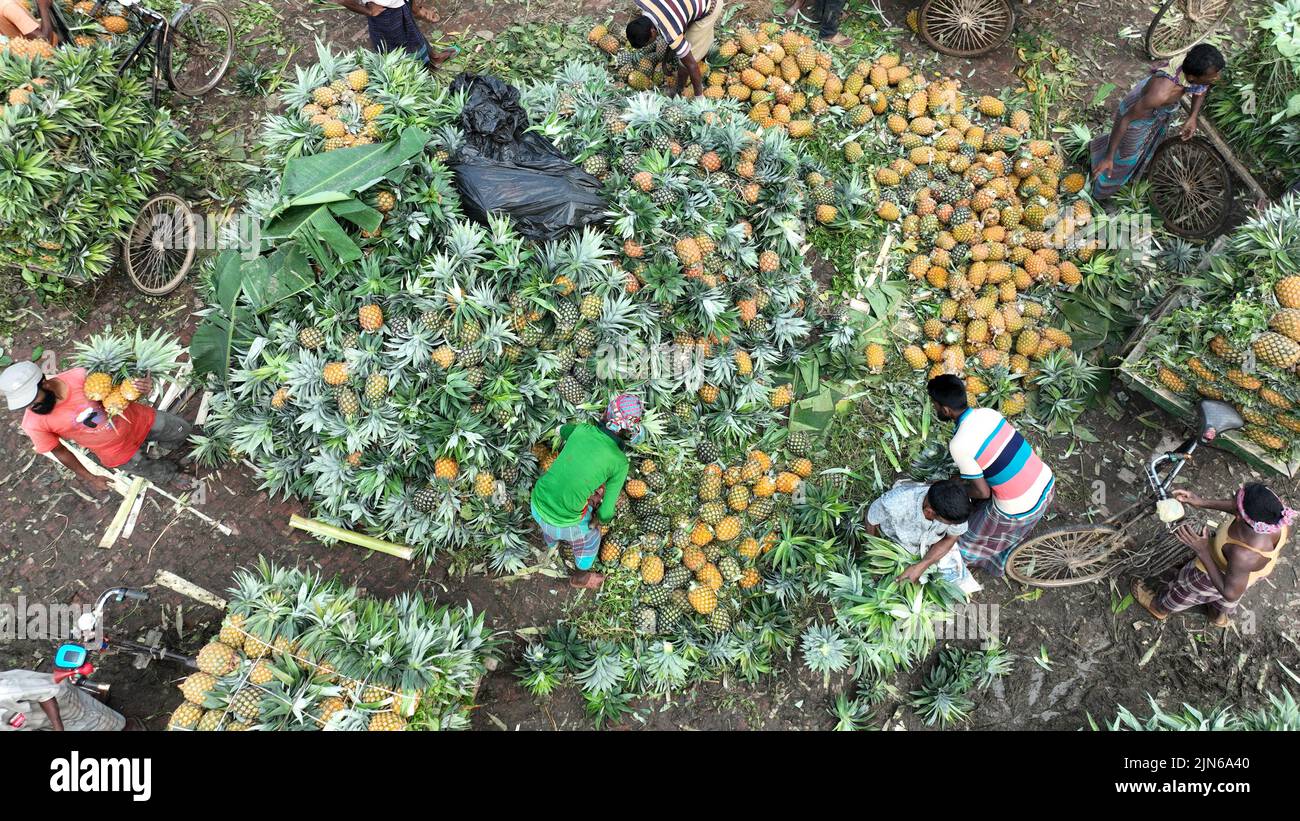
{"x": 899, "y": 514}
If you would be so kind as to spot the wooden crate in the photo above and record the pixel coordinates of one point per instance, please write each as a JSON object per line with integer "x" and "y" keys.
{"x": 1234, "y": 442}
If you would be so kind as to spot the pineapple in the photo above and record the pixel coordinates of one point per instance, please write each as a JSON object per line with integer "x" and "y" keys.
{"x": 185, "y": 717}
{"x": 335, "y": 373}
{"x": 782, "y": 396}
{"x": 370, "y": 317}
{"x": 1287, "y": 291}
{"x": 702, "y": 599}
{"x": 1171, "y": 381}
{"x": 231, "y": 632}
{"x": 1276, "y": 350}
{"x": 446, "y": 468}
{"x": 484, "y": 484}
{"x": 389, "y": 721}
{"x": 197, "y": 686}
{"x": 1287, "y": 323}
{"x": 217, "y": 659}
{"x": 875, "y": 357}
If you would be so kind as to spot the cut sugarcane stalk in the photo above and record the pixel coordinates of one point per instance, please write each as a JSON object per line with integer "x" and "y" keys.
{"x": 351, "y": 537}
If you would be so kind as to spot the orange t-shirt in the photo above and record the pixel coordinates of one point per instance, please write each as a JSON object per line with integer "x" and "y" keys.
{"x": 78, "y": 419}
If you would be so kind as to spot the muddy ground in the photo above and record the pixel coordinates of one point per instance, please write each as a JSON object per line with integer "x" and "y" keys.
{"x": 1075, "y": 655}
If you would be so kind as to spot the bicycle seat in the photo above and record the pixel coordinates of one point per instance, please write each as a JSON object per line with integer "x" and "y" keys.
{"x": 1218, "y": 415}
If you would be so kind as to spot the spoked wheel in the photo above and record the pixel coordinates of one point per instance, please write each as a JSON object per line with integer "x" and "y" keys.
{"x": 199, "y": 50}
{"x": 1191, "y": 187}
{"x": 1065, "y": 557}
{"x": 1181, "y": 24}
{"x": 160, "y": 247}
{"x": 966, "y": 28}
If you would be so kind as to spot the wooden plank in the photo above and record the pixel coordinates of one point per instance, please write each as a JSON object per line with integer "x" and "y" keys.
{"x": 203, "y": 409}
{"x": 169, "y": 580}
{"x": 121, "y": 483}
{"x": 123, "y": 510}
{"x": 135, "y": 515}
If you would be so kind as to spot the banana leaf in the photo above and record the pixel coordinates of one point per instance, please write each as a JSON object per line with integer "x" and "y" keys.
{"x": 262, "y": 282}
{"x": 333, "y": 176}
{"x": 213, "y": 340}
{"x": 815, "y": 413}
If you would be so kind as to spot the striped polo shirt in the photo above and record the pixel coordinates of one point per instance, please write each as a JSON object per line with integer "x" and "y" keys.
{"x": 986, "y": 445}
{"x": 673, "y": 17}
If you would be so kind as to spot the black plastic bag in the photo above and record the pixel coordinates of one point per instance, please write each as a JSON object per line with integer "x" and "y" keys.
{"x": 503, "y": 167}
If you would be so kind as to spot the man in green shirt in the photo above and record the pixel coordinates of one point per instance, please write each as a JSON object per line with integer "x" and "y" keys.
{"x": 579, "y": 491}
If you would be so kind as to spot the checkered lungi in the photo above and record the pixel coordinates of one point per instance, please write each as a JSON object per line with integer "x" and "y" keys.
{"x": 1191, "y": 587}
{"x": 990, "y": 534}
{"x": 582, "y": 537}
{"x": 392, "y": 29}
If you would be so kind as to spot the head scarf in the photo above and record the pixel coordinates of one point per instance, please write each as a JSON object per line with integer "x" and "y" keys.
{"x": 624, "y": 414}
{"x": 1288, "y": 515}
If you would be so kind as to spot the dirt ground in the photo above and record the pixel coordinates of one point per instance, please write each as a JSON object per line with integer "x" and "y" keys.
{"x": 1075, "y": 655}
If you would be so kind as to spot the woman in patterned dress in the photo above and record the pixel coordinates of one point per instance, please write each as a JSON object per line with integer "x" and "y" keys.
{"x": 1144, "y": 116}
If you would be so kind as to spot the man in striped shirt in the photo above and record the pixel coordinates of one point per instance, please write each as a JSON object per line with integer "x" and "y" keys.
{"x": 1002, "y": 470}
{"x": 687, "y": 28}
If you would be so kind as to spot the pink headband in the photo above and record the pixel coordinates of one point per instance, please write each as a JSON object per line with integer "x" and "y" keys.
{"x": 1288, "y": 515}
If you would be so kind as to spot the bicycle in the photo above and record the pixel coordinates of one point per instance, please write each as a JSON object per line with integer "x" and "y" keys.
{"x": 1181, "y": 24}
{"x": 1080, "y": 554}
{"x": 190, "y": 52}
{"x": 966, "y": 28}
{"x": 72, "y": 658}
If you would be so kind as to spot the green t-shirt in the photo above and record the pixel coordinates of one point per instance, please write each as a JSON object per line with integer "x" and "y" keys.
{"x": 589, "y": 458}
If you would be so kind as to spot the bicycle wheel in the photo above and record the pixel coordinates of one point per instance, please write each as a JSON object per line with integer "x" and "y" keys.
{"x": 1191, "y": 188}
{"x": 160, "y": 246}
{"x": 199, "y": 49}
{"x": 1181, "y": 24}
{"x": 1065, "y": 557}
{"x": 966, "y": 28}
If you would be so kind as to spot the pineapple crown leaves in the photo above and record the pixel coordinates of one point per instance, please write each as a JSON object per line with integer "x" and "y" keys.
{"x": 106, "y": 353}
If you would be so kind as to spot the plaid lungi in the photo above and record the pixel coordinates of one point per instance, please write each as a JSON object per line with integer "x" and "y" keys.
{"x": 582, "y": 537}
{"x": 392, "y": 29}
{"x": 1190, "y": 588}
{"x": 990, "y": 534}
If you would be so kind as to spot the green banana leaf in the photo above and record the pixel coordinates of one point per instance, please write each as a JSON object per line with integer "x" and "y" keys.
{"x": 214, "y": 339}
{"x": 814, "y": 413}
{"x": 332, "y": 176}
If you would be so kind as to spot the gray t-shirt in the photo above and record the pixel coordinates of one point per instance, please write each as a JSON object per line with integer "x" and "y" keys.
{"x": 898, "y": 514}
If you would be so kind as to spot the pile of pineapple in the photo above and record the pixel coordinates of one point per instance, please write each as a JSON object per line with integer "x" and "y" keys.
{"x": 987, "y": 213}
{"x": 782, "y": 77}
{"x": 109, "y": 23}
{"x": 1239, "y": 342}
{"x": 703, "y": 559}
{"x": 296, "y": 652}
{"x": 116, "y": 363}
{"x": 75, "y": 175}
{"x": 416, "y": 394}
{"x": 344, "y": 112}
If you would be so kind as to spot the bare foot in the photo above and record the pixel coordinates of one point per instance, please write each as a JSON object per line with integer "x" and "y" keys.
{"x": 839, "y": 41}
{"x": 1144, "y": 596}
{"x": 586, "y": 580}
{"x": 1218, "y": 618}
{"x": 428, "y": 15}
{"x": 793, "y": 12}
{"x": 437, "y": 58}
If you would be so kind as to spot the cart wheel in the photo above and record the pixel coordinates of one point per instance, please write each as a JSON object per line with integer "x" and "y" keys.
{"x": 199, "y": 49}
{"x": 1191, "y": 188}
{"x": 1181, "y": 24}
{"x": 160, "y": 246}
{"x": 1065, "y": 557}
{"x": 966, "y": 28}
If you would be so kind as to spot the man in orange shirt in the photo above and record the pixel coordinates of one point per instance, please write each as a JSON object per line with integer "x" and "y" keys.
{"x": 16, "y": 21}
{"x": 56, "y": 409}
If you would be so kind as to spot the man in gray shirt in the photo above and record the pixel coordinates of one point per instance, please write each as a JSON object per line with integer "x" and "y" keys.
{"x": 927, "y": 520}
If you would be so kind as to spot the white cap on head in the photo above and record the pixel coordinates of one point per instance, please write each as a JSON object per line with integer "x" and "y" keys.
{"x": 19, "y": 383}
